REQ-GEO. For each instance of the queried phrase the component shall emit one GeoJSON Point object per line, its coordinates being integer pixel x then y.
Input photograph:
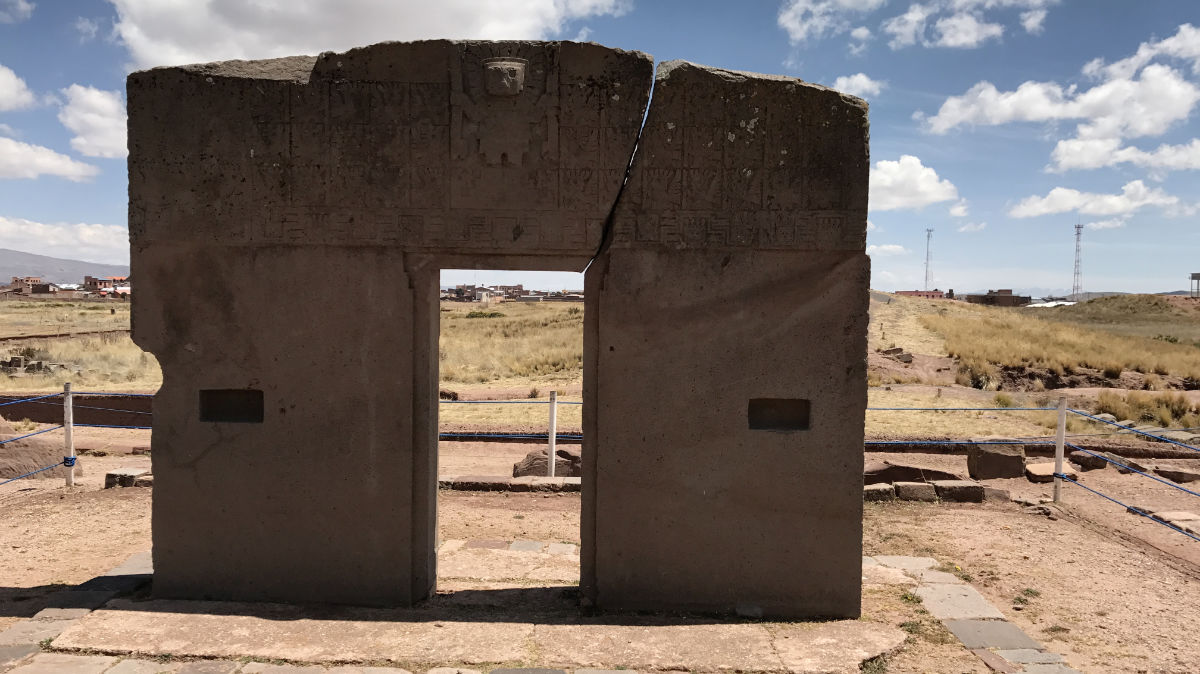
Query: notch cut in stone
{"type": "Point", "coordinates": [778, 414]}
{"type": "Point", "coordinates": [236, 406]}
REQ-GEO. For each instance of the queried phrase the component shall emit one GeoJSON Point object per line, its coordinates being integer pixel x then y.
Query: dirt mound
{"type": "Point", "coordinates": [30, 454]}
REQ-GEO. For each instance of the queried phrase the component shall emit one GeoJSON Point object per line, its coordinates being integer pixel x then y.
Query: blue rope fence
{"type": "Point", "coordinates": [28, 400]}
{"type": "Point", "coordinates": [1135, 431]}
{"type": "Point", "coordinates": [1133, 470]}
{"type": "Point", "coordinates": [30, 435]}
{"type": "Point", "coordinates": [1128, 507]}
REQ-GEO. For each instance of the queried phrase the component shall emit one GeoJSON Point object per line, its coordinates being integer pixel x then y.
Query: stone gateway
{"type": "Point", "coordinates": [289, 219]}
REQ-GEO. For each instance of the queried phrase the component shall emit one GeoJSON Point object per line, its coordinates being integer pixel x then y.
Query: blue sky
{"type": "Point", "coordinates": [998, 123]}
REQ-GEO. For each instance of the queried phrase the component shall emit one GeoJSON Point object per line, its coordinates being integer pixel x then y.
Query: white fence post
{"type": "Point", "coordinates": [1060, 440]}
{"type": "Point", "coordinates": [551, 453]}
{"type": "Point", "coordinates": [68, 438]}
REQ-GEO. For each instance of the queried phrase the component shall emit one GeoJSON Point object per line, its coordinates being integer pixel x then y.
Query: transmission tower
{"type": "Point", "coordinates": [928, 254]}
{"type": "Point", "coordinates": [1077, 285]}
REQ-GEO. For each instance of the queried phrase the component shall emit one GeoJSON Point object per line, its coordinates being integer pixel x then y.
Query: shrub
{"type": "Point", "coordinates": [1003, 400]}
{"type": "Point", "coordinates": [978, 373]}
{"type": "Point", "coordinates": [485, 314]}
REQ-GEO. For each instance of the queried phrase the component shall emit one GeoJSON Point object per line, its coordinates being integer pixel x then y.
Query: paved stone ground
{"type": "Point", "coordinates": [493, 612]}
{"type": "Point", "coordinates": [978, 624]}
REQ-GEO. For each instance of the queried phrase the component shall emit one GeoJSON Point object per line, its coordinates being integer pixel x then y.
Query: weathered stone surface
{"type": "Point", "coordinates": [58, 663]}
{"type": "Point", "coordinates": [12, 654]}
{"type": "Point", "coordinates": [934, 576]}
{"type": "Point", "coordinates": [208, 667]}
{"type": "Point", "coordinates": [61, 613]}
{"type": "Point", "coordinates": [915, 491]}
{"type": "Point", "coordinates": [879, 492]}
{"type": "Point", "coordinates": [452, 670]}
{"type": "Point", "coordinates": [994, 662]}
{"type": "Point", "coordinates": [990, 634]}
{"type": "Point", "coordinates": [562, 549]}
{"type": "Point", "coordinates": [266, 668]}
{"type": "Point", "coordinates": [568, 463]}
{"type": "Point", "coordinates": [1180, 475]}
{"type": "Point", "coordinates": [92, 599]}
{"type": "Point", "coordinates": [906, 563]}
{"type": "Point", "coordinates": [136, 666]}
{"type": "Point", "coordinates": [526, 546]}
{"type": "Point", "coordinates": [956, 602]}
{"type": "Point", "coordinates": [382, 165]}
{"type": "Point", "coordinates": [889, 471]}
{"type": "Point", "coordinates": [961, 491]}
{"type": "Point", "coordinates": [1056, 668]}
{"type": "Point", "coordinates": [839, 646]}
{"type": "Point", "coordinates": [884, 575]}
{"type": "Point", "coordinates": [123, 477]}
{"type": "Point", "coordinates": [33, 631]}
{"type": "Point", "coordinates": [996, 494]}
{"type": "Point", "coordinates": [988, 462]}
{"type": "Point", "coordinates": [1044, 472]}
{"type": "Point", "coordinates": [1029, 656]}
{"type": "Point", "coordinates": [1176, 516]}
{"type": "Point", "coordinates": [1087, 461]}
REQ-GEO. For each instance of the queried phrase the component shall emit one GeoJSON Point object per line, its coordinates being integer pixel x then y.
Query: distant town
{"type": "Point", "coordinates": [503, 293]}
{"type": "Point", "coordinates": [102, 287]}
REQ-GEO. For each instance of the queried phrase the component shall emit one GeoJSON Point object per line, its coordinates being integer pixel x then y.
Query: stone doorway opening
{"type": "Point", "coordinates": [508, 352]}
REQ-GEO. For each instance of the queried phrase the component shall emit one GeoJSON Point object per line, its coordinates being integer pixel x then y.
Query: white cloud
{"type": "Point", "coordinates": [95, 243]}
{"type": "Point", "coordinates": [583, 34]}
{"type": "Point", "coordinates": [14, 94]}
{"type": "Point", "coordinates": [871, 226]}
{"type": "Point", "coordinates": [973, 227]}
{"type": "Point", "coordinates": [1133, 196]}
{"type": "Point", "coordinates": [22, 160]}
{"type": "Point", "coordinates": [859, 85]}
{"type": "Point", "coordinates": [1106, 224]}
{"type": "Point", "coordinates": [965, 31]}
{"type": "Point", "coordinates": [87, 28]}
{"type": "Point", "coordinates": [908, 28]}
{"type": "Point", "coordinates": [1098, 153]}
{"type": "Point", "coordinates": [97, 118]}
{"type": "Point", "coordinates": [907, 184]}
{"type": "Point", "coordinates": [173, 33]}
{"type": "Point", "coordinates": [1183, 45]}
{"type": "Point", "coordinates": [6, 130]}
{"type": "Point", "coordinates": [959, 210]}
{"type": "Point", "coordinates": [886, 250]}
{"type": "Point", "coordinates": [860, 37]}
{"type": "Point", "coordinates": [1131, 108]}
{"type": "Point", "coordinates": [812, 19]}
{"type": "Point", "coordinates": [1033, 21]}
{"type": "Point", "coordinates": [15, 11]}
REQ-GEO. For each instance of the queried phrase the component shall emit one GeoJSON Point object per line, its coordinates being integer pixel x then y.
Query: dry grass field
{"type": "Point", "coordinates": [519, 351]}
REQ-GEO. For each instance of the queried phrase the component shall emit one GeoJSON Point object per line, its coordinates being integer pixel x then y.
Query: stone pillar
{"type": "Point", "coordinates": [726, 355]}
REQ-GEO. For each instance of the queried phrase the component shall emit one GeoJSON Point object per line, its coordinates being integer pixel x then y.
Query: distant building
{"type": "Point", "coordinates": [1195, 285]}
{"type": "Point", "coordinates": [934, 294]}
{"type": "Point", "coordinates": [24, 285]}
{"type": "Point", "coordinates": [104, 284]}
{"type": "Point", "coordinates": [999, 298]}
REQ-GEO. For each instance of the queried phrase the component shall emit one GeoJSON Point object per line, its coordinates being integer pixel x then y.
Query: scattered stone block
{"type": "Point", "coordinates": [1087, 461]}
{"type": "Point", "coordinates": [996, 494]}
{"type": "Point", "coordinates": [138, 451]}
{"type": "Point", "coordinates": [879, 492]}
{"type": "Point", "coordinates": [876, 472]}
{"type": "Point", "coordinates": [1044, 472]}
{"type": "Point", "coordinates": [1179, 475]}
{"type": "Point", "coordinates": [1173, 516]}
{"type": "Point", "coordinates": [1127, 423]}
{"type": "Point", "coordinates": [1126, 464]}
{"type": "Point", "coordinates": [959, 491]}
{"type": "Point", "coordinates": [144, 481]}
{"type": "Point", "coordinates": [990, 634]}
{"type": "Point", "coordinates": [123, 477]}
{"type": "Point", "coordinates": [1106, 417]}
{"type": "Point", "coordinates": [989, 462]}
{"type": "Point", "coordinates": [568, 463]}
{"type": "Point", "coordinates": [915, 491]}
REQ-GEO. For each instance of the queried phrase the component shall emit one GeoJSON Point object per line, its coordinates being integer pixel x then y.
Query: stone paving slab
{"type": "Point", "coordinates": [998, 634]}
{"type": "Point", "coordinates": [839, 646]}
{"type": "Point", "coordinates": [90, 600]}
{"type": "Point", "coordinates": [275, 631]}
{"type": "Point", "coordinates": [1028, 656]}
{"type": "Point", "coordinates": [137, 666]}
{"type": "Point", "coordinates": [385, 670]}
{"type": "Point", "coordinates": [562, 549]}
{"type": "Point", "coordinates": [33, 631]}
{"type": "Point", "coordinates": [12, 654]}
{"type": "Point", "coordinates": [265, 668]}
{"type": "Point", "coordinates": [883, 575]}
{"type": "Point", "coordinates": [452, 670]}
{"type": "Point", "coordinates": [208, 667]}
{"type": "Point", "coordinates": [906, 563]}
{"type": "Point", "coordinates": [526, 546]}
{"type": "Point", "coordinates": [56, 663]}
{"type": "Point", "coordinates": [61, 613]}
{"type": "Point", "coordinates": [935, 576]}
{"type": "Point", "coordinates": [1049, 669]}
{"type": "Point", "coordinates": [745, 646]}
{"type": "Point", "coordinates": [995, 662]}
{"type": "Point", "coordinates": [956, 602]}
